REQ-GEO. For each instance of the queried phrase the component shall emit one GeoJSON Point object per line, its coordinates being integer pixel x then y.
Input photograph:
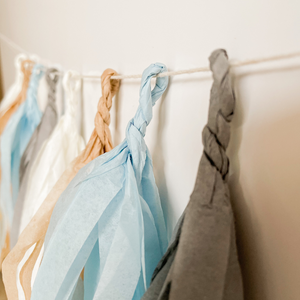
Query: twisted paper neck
{"type": "Point", "coordinates": [216, 134]}
{"type": "Point", "coordinates": [52, 78]}
{"type": "Point", "coordinates": [71, 84]}
{"type": "Point", "coordinates": [102, 118]}
{"type": "Point", "coordinates": [100, 140]}
{"type": "Point", "coordinates": [26, 68]}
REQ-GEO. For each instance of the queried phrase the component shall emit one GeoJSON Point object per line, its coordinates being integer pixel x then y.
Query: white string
{"type": "Point", "coordinates": [16, 47]}
{"type": "Point", "coordinates": [12, 44]}
{"type": "Point", "coordinates": [207, 69]}
{"type": "Point", "coordinates": [188, 71]}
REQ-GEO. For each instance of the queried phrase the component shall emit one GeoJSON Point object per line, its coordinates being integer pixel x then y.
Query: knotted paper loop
{"type": "Point", "coordinates": [71, 84]}
{"type": "Point", "coordinates": [52, 79]}
{"type": "Point", "coordinates": [137, 126]}
{"type": "Point", "coordinates": [101, 141]}
{"type": "Point", "coordinates": [148, 98]}
{"type": "Point", "coordinates": [216, 133]}
{"type": "Point", "coordinates": [27, 65]}
{"type": "Point", "coordinates": [26, 68]}
{"type": "Point", "coordinates": [5, 105]}
{"type": "Point", "coordinates": [37, 73]}
{"type": "Point", "coordinates": [18, 61]}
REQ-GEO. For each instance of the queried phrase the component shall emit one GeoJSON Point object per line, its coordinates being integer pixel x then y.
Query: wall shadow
{"type": "Point", "coordinates": [275, 144]}
{"type": "Point", "coordinates": [159, 164]}
{"type": "Point", "coordinates": [158, 151]}
{"type": "Point", "coordinates": [249, 253]}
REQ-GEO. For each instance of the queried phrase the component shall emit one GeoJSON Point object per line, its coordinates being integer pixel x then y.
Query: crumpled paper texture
{"type": "Point", "coordinates": [16, 127]}
{"type": "Point", "coordinates": [40, 135]}
{"type": "Point", "coordinates": [202, 261]}
{"type": "Point", "coordinates": [109, 220]}
{"type": "Point", "coordinates": [34, 233]}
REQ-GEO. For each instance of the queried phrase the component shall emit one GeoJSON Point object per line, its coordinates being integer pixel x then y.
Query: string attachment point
{"type": "Point", "coordinates": [180, 72]}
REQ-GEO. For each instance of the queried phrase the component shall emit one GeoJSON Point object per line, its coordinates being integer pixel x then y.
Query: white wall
{"type": "Point", "coordinates": [265, 145]}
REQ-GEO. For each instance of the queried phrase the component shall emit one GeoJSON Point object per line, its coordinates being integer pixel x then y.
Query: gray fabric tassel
{"type": "Point", "coordinates": [202, 262]}
{"type": "Point", "coordinates": [41, 133]}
